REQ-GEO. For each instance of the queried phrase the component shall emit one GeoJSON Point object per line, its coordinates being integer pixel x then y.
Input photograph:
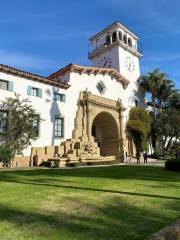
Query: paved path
{"type": "Point", "coordinates": [151, 162]}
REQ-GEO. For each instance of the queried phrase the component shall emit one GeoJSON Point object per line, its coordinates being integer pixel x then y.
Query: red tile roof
{"type": "Point", "coordinates": [35, 77]}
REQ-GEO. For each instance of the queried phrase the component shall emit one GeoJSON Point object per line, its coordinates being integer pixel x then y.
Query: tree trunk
{"type": "Point", "coordinates": [169, 144]}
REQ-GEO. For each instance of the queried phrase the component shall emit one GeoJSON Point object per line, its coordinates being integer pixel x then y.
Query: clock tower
{"type": "Point", "coordinates": [116, 47]}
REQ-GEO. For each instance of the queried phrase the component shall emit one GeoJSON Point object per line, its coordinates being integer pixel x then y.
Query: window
{"type": "Point", "coordinates": [120, 36]}
{"type": "Point", "coordinates": [6, 85]}
{"type": "Point", "coordinates": [114, 37]}
{"type": "Point", "coordinates": [130, 42]}
{"type": "Point", "coordinates": [125, 39]}
{"type": "Point", "coordinates": [101, 87]}
{"type": "Point", "coordinates": [3, 121]}
{"type": "Point", "coordinates": [108, 40]}
{"type": "Point", "coordinates": [59, 97]}
{"type": "Point", "coordinates": [36, 125]}
{"type": "Point", "coordinates": [36, 92]}
{"type": "Point", "coordinates": [59, 127]}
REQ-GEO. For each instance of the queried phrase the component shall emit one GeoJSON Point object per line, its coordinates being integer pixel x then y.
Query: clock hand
{"type": "Point", "coordinates": [105, 63]}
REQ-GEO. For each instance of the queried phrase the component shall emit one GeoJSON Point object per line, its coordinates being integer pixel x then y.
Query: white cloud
{"type": "Point", "coordinates": [26, 61]}
{"type": "Point", "coordinates": [59, 36]}
{"type": "Point", "coordinates": [163, 58]}
{"type": "Point", "coordinates": [153, 13]}
{"type": "Point", "coordinates": [28, 17]}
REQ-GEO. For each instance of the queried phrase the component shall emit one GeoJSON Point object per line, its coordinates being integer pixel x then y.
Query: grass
{"type": "Point", "coordinates": [118, 202]}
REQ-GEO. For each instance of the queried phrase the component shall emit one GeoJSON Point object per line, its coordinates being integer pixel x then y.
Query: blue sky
{"type": "Point", "coordinates": [42, 36]}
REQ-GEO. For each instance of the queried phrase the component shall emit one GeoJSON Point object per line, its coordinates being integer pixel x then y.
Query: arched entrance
{"type": "Point", "coordinates": [105, 132]}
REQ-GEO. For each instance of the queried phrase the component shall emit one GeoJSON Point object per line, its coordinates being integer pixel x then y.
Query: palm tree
{"type": "Point", "coordinates": [165, 92]}
{"type": "Point", "coordinates": [159, 86]}
{"type": "Point", "coordinates": [174, 99]}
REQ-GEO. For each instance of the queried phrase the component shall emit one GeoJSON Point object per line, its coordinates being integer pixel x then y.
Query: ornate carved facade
{"type": "Point", "coordinates": [99, 133]}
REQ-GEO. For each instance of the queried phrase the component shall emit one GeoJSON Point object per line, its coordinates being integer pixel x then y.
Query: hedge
{"type": "Point", "coordinates": [173, 164]}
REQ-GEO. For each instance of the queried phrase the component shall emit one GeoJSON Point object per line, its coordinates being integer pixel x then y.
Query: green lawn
{"type": "Point", "coordinates": [119, 202]}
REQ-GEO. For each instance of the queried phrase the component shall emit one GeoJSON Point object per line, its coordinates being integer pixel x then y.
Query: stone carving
{"type": "Point", "coordinates": [171, 232]}
{"type": "Point", "coordinates": [82, 144]}
{"type": "Point", "coordinates": [88, 147]}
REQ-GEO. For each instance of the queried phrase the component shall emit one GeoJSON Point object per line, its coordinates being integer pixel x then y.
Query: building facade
{"type": "Point", "coordinates": [84, 109]}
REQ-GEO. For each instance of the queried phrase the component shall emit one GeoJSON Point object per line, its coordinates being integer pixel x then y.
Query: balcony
{"type": "Point", "coordinates": [103, 47]}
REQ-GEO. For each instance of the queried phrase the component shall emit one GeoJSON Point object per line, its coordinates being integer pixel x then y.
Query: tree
{"type": "Point", "coordinates": [22, 122]}
{"type": "Point", "coordinates": [159, 86]}
{"type": "Point", "coordinates": [167, 128]}
{"type": "Point", "coordinates": [139, 127]}
{"type": "Point", "coordinates": [174, 100]}
{"type": "Point", "coordinates": [163, 96]}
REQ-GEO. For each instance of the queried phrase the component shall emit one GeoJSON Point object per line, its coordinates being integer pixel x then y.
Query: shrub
{"type": "Point", "coordinates": [173, 164]}
{"type": "Point", "coordinates": [45, 164]}
{"type": "Point", "coordinates": [139, 127]}
{"type": "Point", "coordinates": [5, 154]}
{"type": "Point", "coordinates": [157, 154]}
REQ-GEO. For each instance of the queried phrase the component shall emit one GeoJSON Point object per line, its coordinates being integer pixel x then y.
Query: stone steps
{"type": "Point", "coordinates": [76, 161]}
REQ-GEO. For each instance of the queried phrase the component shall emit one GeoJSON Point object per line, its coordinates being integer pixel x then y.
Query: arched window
{"type": "Point", "coordinates": [120, 35]}
{"type": "Point", "coordinates": [108, 40]}
{"type": "Point", "coordinates": [136, 102]}
{"type": "Point", "coordinates": [130, 42]}
{"type": "Point", "coordinates": [114, 37]}
{"type": "Point", "coordinates": [125, 39]}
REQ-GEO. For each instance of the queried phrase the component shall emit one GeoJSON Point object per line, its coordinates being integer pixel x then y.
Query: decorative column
{"type": "Point", "coordinates": [89, 117]}
{"type": "Point", "coordinates": [121, 128]}
{"type": "Point", "coordinates": [88, 120]}
{"type": "Point", "coordinates": [117, 35]}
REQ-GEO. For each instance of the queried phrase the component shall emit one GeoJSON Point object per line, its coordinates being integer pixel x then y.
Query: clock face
{"type": "Point", "coordinates": [129, 63]}
{"type": "Point", "coordinates": [105, 62]}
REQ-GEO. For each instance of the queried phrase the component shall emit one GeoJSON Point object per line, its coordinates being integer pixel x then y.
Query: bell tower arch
{"type": "Point", "coordinates": [116, 47]}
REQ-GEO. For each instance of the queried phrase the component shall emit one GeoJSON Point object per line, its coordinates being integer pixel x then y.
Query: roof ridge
{"type": "Point", "coordinates": [112, 71]}
{"type": "Point", "coordinates": [30, 75]}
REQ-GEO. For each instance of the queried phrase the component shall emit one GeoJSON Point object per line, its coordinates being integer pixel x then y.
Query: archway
{"type": "Point", "coordinates": [105, 133]}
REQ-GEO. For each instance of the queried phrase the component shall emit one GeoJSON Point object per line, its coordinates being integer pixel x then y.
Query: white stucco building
{"type": "Point", "coordinates": [111, 77]}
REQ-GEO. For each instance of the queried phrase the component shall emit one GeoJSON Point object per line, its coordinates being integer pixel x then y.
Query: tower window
{"type": "Point", "coordinates": [125, 39]}
{"type": "Point", "coordinates": [130, 42]}
{"type": "Point", "coordinates": [114, 37]}
{"type": "Point", "coordinates": [120, 35]}
{"type": "Point", "coordinates": [108, 40]}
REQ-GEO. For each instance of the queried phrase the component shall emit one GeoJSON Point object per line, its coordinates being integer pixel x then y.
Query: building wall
{"type": "Point", "coordinates": [48, 108]}
{"type": "Point", "coordinates": [114, 91]}
{"type": "Point", "coordinates": [45, 106]}
{"type": "Point", "coordinates": [113, 58]}
{"type": "Point", "coordinates": [122, 59]}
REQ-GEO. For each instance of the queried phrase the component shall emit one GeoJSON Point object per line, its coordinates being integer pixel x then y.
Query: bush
{"type": "Point", "coordinates": [5, 154]}
{"type": "Point", "coordinates": [45, 164]}
{"type": "Point", "coordinates": [157, 154]}
{"type": "Point", "coordinates": [173, 164]}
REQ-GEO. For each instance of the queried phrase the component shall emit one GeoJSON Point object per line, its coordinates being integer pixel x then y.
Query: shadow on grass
{"type": "Point", "coordinates": [78, 188]}
{"type": "Point", "coordinates": [112, 172]}
{"type": "Point", "coordinates": [116, 220]}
